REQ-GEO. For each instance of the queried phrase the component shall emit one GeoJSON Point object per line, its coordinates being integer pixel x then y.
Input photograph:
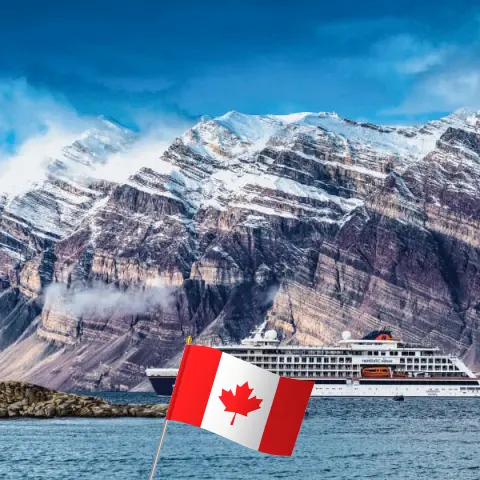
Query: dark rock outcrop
{"type": "Point", "coordinates": [19, 399]}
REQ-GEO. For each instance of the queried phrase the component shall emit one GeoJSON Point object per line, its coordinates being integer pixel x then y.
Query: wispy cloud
{"type": "Point", "coordinates": [34, 127]}
{"type": "Point", "coordinates": [429, 71]}
{"type": "Point", "coordinates": [409, 54]}
{"type": "Point", "coordinates": [37, 126]}
{"type": "Point", "coordinates": [27, 112]}
{"type": "Point", "coordinates": [146, 151]}
{"type": "Point", "coordinates": [104, 301]}
{"type": "Point", "coordinates": [28, 165]}
{"type": "Point", "coordinates": [372, 59]}
{"type": "Point", "coordinates": [443, 76]}
{"type": "Point", "coordinates": [442, 92]}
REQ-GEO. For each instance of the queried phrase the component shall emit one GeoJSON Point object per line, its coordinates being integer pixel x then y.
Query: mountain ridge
{"type": "Point", "coordinates": [311, 222]}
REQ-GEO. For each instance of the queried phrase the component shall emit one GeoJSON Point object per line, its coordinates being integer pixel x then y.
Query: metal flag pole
{"type": "Point", "coordinates": [157, 456]}
{"type": "Point", "coordinates": [188, 341]}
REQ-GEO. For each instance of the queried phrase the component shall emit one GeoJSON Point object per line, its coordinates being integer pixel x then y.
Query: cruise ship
{"type": "Point", "coordinates": [378, 365]}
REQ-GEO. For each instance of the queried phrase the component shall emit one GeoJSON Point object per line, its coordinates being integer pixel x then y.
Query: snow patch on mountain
{"type": "Point", "coordinates": [56, 180]}
{"type": "Point", "coordinates": [53, 181]}
{"type": "Point", "coordinates": [71, 155]}
{"type": "Point", "coordinates": [235, 133]}
{"type": "Point", "coordinates": [257, 130]}
{"type": "Point", "coordinates": [254, 129]}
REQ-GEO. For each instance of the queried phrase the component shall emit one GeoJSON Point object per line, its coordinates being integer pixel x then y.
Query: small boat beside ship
{"type": "Point", "coordinates": [377, 365]}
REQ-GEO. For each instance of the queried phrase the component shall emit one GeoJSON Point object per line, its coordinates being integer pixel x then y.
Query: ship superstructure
{"type": "Point", "coordinates": [376, 365]}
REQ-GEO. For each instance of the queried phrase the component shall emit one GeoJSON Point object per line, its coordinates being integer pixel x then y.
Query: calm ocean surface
{"type": "Point", "coordinates": [340, 439]}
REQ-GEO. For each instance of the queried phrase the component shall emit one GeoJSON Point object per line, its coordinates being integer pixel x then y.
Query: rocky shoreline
{"type": "Point", "coordinates": [18, 399]}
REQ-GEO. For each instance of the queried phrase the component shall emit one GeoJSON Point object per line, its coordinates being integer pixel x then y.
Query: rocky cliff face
{"type": "Point", "coordinates": [313, 222]}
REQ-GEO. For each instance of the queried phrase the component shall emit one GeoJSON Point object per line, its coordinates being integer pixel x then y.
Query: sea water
{"type": "Point", "coordinates": [340, 439]}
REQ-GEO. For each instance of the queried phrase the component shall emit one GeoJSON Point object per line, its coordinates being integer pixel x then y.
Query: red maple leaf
{"type": "Point", "coordinates": [240, 403]}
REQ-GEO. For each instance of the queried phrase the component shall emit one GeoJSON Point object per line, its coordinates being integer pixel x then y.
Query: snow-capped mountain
{"type": "Point", "coordinates": [46, 199]}
{"type": "Point", "coordinates": [313, 222]}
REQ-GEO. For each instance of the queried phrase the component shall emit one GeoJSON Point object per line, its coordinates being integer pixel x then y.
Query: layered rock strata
{"type": "Point", "coordinates": [312, 222]}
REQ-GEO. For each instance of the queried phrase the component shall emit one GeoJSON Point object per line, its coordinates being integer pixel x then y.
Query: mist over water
{"type": "Point", "coordinates": [340, 439]}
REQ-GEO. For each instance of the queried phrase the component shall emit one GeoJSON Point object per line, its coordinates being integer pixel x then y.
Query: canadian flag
{"type": "Point", "coordinates": [238, 400]}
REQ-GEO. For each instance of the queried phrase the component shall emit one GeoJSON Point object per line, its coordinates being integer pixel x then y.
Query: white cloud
{"type": "Point", "coordinates": [390, 45]}
{"type": "Point", "coordinates": [43, 126]}
{"type": "Point", "coordinates": [412, 55]}
{"type": "Point", "coordinates": [455, 88]}
{"type": "Point", "coordinates": [103, 301]}
{"type": "Point", "coordinates": [29, 164]}
{"type": "Point", "coordinates": [26, 112]}
{"type": "Point", "coordinates": [145, 152]}
{"type": "Point", "coordinates": [407, 54]}
{"type": "Point", "coordinates": [441, 92]}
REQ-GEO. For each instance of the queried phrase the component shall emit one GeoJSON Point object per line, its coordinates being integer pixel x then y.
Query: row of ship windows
{"type": "Point", "coordinates": [346, 371]}
{"type": "Point", "coordinates": [424, 360]}
{"type": "Point", "coordinates": [314, 375]}
{"type": "Point", "coordinates": [332, 359]}
{"type": "Point", "coordinates": [342, 375]}
{"type": "Point", "coordinates": [414, 382]}
{"type": "Point", "coordinates": [394, 353]}
{"type": "Point", "coordinates": [347, 368]}
{"type": "Point", "coordinates": [442, 389]}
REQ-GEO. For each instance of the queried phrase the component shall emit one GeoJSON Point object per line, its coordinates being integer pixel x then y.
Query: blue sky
{"type": "Point", "coordinates": [383, 61]}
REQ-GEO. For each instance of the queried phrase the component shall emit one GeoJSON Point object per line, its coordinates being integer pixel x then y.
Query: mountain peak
{"type": "Point", "coordinates": [463, 112]}
{"type": "Point", "coordinates": [248, 128]}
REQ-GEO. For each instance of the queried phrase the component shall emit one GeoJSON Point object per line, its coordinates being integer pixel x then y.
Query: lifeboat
{"type": "Point", "coordinates": [376, 372]}
{"type": "Point", "coordinates": [379, 335]}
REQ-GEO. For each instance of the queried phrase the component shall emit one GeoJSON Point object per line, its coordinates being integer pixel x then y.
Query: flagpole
{"type": "Point", "coordinates": [188, 341]}
{"type": "Point", "coordinates": [157, 456]}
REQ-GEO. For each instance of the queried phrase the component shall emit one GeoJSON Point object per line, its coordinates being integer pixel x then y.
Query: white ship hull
{"type": "Point", "coordinates": [163, 381]}
{"type": "Point", "coordinates": [395, 390]}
